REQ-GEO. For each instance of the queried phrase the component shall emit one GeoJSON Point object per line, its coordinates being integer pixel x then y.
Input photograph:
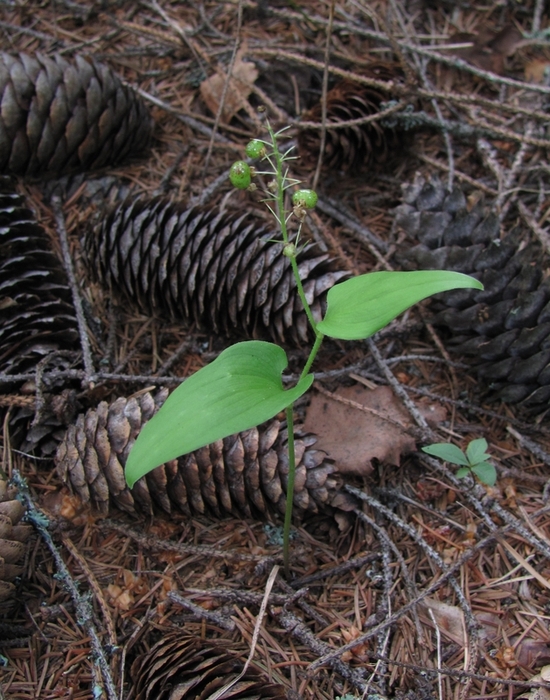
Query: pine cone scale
{"type": "Point", "coordinates": [57, 115]}
{"type": "Point", "coordinates": [243, 474]}
{"type": "Point", "coordinates": [510, 319]}
{"type": "Point", "coordinates": [220, 273]}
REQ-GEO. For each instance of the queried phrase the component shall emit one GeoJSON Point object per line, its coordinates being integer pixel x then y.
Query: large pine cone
{"type": "Point", "coordinates": [58, 115]}
{"type": "Point", "coordinates": [13, 540]}
{"type": "Point", "coordinates": [506, 327]}
{"type": "Point", "coordinates": [37, 321]}
{"type": "Point", "coordinates": [351, 148]}
{"type": "Point", "coordinates": [189, 668]}
{"type": "Point", "coordinates": [37, 312]}
{"type": "Point", "coordinates": [218, 270]}
{"type": "Point", "coordinates": [244, 474]}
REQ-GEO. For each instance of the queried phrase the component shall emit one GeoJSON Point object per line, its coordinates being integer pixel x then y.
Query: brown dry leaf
{"type": "Point", "coordinates": [121, 599]}
{"type": "Point", "coordinates": [448, 618]}
{"type": "Point", "coordinates": [531, 652]}
{"type": "Point", "coordinates": [537, 71]}
{"type": "Point", "coordinates": [488, 49]}
{"type": "Point", "coordinates": [243, 76]}
{"type": "Point", "coordinates": [539, 693]}
{"type": "Point", "coordinates": [354, 437]}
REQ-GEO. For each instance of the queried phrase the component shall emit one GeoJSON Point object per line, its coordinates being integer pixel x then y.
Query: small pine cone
{"type": "Point", "coordinates": [352, 148]}
{"type": "Point", "coordinates": [37, 312]}
{"type": "Point", "coordinates": [189, 668]}
{"type": "Point", "coordinates": [218, 270]}
{"type": "Point", "coordinates": [13, 540]}
{"type": "Point", "coordinates": [244, 474]}
{"type": "Point", "coordinates": [505, 327]}
{"type": "Point", "coordinates": [61, 116]}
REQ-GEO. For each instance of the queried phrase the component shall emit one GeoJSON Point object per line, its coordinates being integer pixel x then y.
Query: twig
{"type": "Point", "coordinates": [541, 233]}
{"type": "Point", "coordinates": [225, 86]}
{"type": "Point", "coordinates": [160, 545]}
{"type": "Point", "coordinates": [471, 622]}
{"type": "Point", "coordinates": [323, 139]}
{"type": "Point", "coordinates": [255, 636]}
{"type": "Point", "coordinates": [537, 16]}
{"type": "Point", "coordinates": [345, 217]}
{"type": "Point", "coordinates": [84, 612]}
{"type": "Point", "coordinates": [438, 639]}
{"type": "Point", "coordinates": [335, 570]}
{"type": "Point", "coordinates": [303, 634]}
{"type": "Point", "coordinates": [400, 392]}
{"type": "Point", "coordinates": [447, 575]}
{"type": "Point", "coordinates": [77, 301]}
{"type": "Point", "coordinates": [96, 588]}
{"type": "Point", "coordinates": [531, 445]}
{"type": "Point", "coordinates": [211, 616]}
{"type": "Point", "coordinates": [186, 119]}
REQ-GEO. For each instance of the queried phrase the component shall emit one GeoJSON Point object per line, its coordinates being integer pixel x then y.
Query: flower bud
{"type": "Point", "coordinates": [255, 149]}
{"type": "Point", "coordinates": [305, 199]}
{"type": "Point", "coordinates": [240, 175]}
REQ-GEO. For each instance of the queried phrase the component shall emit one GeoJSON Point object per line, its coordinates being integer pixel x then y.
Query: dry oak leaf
{"type": "Point", "coordinates": [361, 424]}
{"type": "Point", "coordinates": [243, 77]}
{"type": "Point", "coordinates": [539, 693]}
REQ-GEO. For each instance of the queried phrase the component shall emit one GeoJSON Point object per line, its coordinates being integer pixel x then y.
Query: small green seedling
{"type": "Point", "coordinates": [473, 461]}
{"type": "Point", "coordinates": [243, 386]}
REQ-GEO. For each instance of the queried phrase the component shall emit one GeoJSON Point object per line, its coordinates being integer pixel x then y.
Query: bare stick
{"type": "Point", "coordinates": [209, 615]}
{"type": "Point", "coordinates": [225, 86]}
{"type": "Point", "coordinates": [324, 98]}
{"type": "Point", "coordinates": [84, 611]}
{"type": "Point", "coordinates": [77, 301]}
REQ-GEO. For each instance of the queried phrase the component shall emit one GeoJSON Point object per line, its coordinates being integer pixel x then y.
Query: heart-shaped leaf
{"type": "Point", "coordinates": [448, 452]}
{"type": "Point", "coordinates": [361, 306]}
{"type": "Point", "coordinates": [239, 390]}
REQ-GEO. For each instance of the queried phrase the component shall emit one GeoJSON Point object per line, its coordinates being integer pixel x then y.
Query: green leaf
{"type": "Point", "coordinates": [447, 452]}
{"type": "Point", "coordinates": [463, 472]}
{"type": "Point", "coordinates": [361, 306]}
{"type": "Point", "coordinates": [486, 473]}
{"type": "Point", "coordinates": [476, 451]}
{"type": "Point", "coordinates": [239, 390]}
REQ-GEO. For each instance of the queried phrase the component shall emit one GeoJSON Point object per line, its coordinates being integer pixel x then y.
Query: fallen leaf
{"type": "Point", "coordinates": [488, 49]}
{"type": "Point", "coordinates": [531, 652]}
{"type": "Point", "coordinates": [448, 618]}
{"type": "Point", "coordinates": [121, 599]}
{"type": "Point", "coordinates": [539, 693]}
{"type": "Point", "coordinates": [538, 71]}
{"type": "Point", "coordinates": [243, 76]}
{"type": "Point", "coordinates": [354, 437]}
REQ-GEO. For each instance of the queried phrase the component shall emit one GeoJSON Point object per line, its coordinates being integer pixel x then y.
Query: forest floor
{"type": "Point", "coordinates": [444, 585]}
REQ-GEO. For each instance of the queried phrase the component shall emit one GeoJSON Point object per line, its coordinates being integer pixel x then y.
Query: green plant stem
{"type": "Point", "coordinates": [302, 295]}
{"type": "Point", "coordinates": [289, 488]}
{"type": "Point", "coordinates": [282, 219]}
{"type": "Point", "coordinates": [313, 354]}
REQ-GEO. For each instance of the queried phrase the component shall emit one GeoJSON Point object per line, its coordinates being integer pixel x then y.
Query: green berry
{"type": "Point", "coordinates": [255, 149]}
{"type": "Point", "coordinates": [240, 175]}
{"type": "Point", "coordinates": [290, 250]}
{"type": "Point", "coordinates": [305, 198]}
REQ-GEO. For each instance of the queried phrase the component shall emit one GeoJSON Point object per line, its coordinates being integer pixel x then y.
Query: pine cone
{"type": "Point", "coordinates": [189, 668]}
{"type": "Point", "coordinates": [506, 327]}
{"type": "Point", "coordinates": [243, 474]}
{"type": "Point", "coordinates": [352, 148]}
{"type": "Point", "coordinates": [37, 311]}
{"type": "Point", "coordinates": [38, 320]}
{"type": "Point", "coordinates": [13, 540]}
{"type": "Point", "coordinates": [59, 116]}
{"type": "Point", "coordinates": [218, 270]}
